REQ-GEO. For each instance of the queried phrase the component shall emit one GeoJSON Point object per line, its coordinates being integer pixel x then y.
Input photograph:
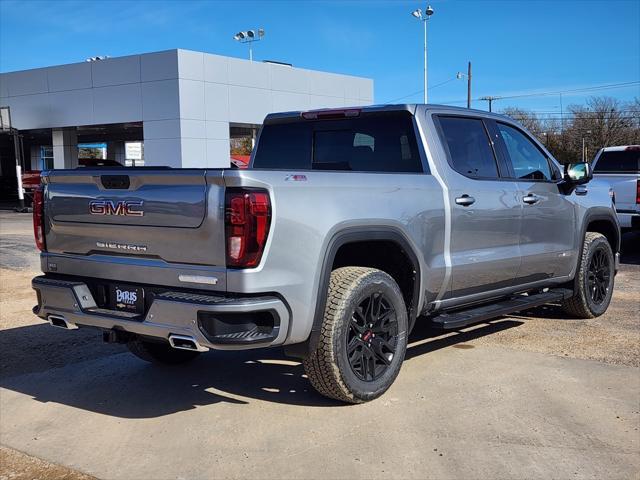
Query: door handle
{"type": "Point", "coordinates": [465, 200]}
{"type": "Point", "coordinates": [530, 199]}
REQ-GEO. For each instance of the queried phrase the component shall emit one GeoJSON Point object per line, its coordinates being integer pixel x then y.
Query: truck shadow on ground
{"type": "Point", "coordinates": [112, 382]}
{"type": "Point", "coordinates": [630, 248]}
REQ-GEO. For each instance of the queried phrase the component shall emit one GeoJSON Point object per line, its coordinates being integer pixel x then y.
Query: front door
{"type": "Point", "coordinates": [485, 208]}
{"type": "Point", "coordinates": [547, 239]}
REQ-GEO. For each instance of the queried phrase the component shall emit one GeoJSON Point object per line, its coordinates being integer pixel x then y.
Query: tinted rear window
{"type": "Point", "coordinates": [470, 152]}
{"type": "Point", "coordinates": [381, 142]}
{"type": "Point", "coordinates": [285, 145]}
{"type": "Point", "coordinates": [621, 161]}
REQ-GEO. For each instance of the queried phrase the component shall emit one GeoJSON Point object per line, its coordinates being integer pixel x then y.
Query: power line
{"type": "Point", "coordinates": [420, 91]}
{"type": "Point", "coordinates": [575, 90]}
{"type": "Point", "coordinates": [630, 113]}
{"type": "Point", "coordinates": [557, 92]}
{"type": "Point", "coordinates": [591, 117]}
{"type": "Point", "coordinates": [556, 112]}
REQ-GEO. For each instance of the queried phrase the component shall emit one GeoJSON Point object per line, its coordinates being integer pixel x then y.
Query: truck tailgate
{"type": "Point", "coordinates": [625, 185]}
{"type": "Point", "coordinates": [175, 216]}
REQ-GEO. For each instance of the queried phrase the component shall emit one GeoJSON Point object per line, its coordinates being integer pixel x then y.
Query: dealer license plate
{"type": "Point", "coordinates": [127, 299]}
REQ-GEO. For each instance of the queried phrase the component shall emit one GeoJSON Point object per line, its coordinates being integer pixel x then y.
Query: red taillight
{"type": "Point", "coordinates": [247, 221]}
{"type": "Point", "coordinates": [637, 192]}
{"type": "Point", "coordinates": [38, 217]}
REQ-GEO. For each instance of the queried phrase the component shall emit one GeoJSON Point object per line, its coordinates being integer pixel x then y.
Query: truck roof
{"type": "Point", "coordinates": [410, 107]}
{"type": "Point", "coordinates": [619, 148]}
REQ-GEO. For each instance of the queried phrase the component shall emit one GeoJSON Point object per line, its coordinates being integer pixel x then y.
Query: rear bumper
{"type": "Point", "coordinates": [213, 321]}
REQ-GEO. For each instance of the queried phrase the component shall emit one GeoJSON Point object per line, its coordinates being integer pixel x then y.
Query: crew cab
{"type": "Point", "coordinates": [349, 227]}
{"type": "Point", "coordinates": [620, 168]}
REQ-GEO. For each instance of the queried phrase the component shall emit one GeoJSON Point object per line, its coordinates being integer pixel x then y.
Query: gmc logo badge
{"type": "Point", "coordinates": [124, 208]}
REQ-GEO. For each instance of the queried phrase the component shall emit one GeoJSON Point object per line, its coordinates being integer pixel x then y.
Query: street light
{"type": "Point", "coordinates": [461, 75]}
{"type": "Point", "coordinates": [424, 18]}
{"type": "Point", "coordinates": [249, 37]}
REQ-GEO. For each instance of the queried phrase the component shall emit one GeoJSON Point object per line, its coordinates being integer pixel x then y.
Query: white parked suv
{"type": "Point", "coordinates": [620, 166]}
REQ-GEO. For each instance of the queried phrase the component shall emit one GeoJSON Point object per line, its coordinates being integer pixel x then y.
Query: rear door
{"type": "Point", "coordinates": [486, 212]}
{"type": "Point", "coordinates": [166, 215]}
{"type": "Point", "coordinates": [547, 239]}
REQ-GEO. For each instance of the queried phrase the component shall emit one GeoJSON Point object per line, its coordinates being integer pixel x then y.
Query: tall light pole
{"type": "Point", "coordinates": [249, 37]}
{"type": "Point", "coordinates": [424, 18]}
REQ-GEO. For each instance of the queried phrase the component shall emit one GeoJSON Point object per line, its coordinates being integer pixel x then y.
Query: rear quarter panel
{"type": "Point", "coordinates": [307, 214]}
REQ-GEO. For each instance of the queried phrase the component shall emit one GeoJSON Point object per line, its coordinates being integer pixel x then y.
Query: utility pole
{"type": "Point", "coordinates": [561, 116]}
{"type": "Point", "coordinates": [469, 86]}
{"type": "Point", "coordinates": [490, 100]}
{"type": "Point", "coordinates": [584, 147]}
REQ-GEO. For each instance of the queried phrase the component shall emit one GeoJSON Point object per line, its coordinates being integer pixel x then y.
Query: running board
{"type": "Point", "coordinates": [517, 303]}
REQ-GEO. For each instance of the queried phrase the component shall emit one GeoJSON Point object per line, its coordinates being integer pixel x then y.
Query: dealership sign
{"type": "Point", "coordinates": [133, 150]}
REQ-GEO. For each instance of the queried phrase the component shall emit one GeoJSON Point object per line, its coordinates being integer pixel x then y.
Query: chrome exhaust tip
{"type": "Point", "coordinates": [184, 342]}
{"type": "Point", "coordinates": [59, 321]}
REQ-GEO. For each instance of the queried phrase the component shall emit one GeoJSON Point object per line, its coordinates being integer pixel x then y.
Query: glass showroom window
{"type": "Point", "coordinates": [46, 157]}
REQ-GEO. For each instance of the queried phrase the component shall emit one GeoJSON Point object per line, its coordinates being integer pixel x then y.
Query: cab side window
{"type": "Point", "coordinates": [470, 152]}
{"type": "Point", "coordinates": [528, 162]}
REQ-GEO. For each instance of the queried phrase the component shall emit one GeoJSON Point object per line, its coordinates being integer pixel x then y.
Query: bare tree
{"type": "Point", "coordinates": [603, 121]}
{"type": "Point", "coordinates": [600, 122]}
{"type": "Point", "coordinates": [527, 119]}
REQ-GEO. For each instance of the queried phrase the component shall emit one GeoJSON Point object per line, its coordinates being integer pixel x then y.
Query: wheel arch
{"type": "Point", "coordinates": [600, 221]}
{"type": "Point", "coordinates": [359, 235]}
{"type": "Point", "coordinates": [604, 222]}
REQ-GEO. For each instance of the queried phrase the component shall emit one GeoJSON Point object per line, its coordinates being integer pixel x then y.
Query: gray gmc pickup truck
{"type": "Point", "coordinates": [349, 227]}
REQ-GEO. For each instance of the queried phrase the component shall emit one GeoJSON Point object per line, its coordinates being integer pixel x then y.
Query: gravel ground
{"type": "Point", "coordinates": [613, 338]}
{"type": "Point", "coordinates": [18, 466]}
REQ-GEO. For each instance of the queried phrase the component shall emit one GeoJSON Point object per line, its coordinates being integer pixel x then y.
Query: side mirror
{"type": "Point", "coordinates": [578, 173]}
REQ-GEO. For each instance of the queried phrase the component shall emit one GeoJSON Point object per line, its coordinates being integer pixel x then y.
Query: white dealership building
{"type": "Point", "coordinates": [175, 108]}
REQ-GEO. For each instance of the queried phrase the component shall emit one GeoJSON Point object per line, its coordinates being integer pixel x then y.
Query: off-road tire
{"type": "Point", "coordinates": [160, 353]}
{"type": "Point", "coordinates": [328, 367]}
{"type": "Point", "coordinates": [581, 305]}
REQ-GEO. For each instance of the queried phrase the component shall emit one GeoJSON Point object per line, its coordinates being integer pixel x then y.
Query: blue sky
{"type": "Point", "coordinates": [515, 46]}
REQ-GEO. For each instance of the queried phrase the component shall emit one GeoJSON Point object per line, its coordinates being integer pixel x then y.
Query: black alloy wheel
{"type": "Point", "coordinates": [363, 337]}
{"type": "Point", "coordinates": [372, 337]}
{"type": "Point", "coordinates": [598, 276]}
{"type": "Point", "coordinates": [594, 279]}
